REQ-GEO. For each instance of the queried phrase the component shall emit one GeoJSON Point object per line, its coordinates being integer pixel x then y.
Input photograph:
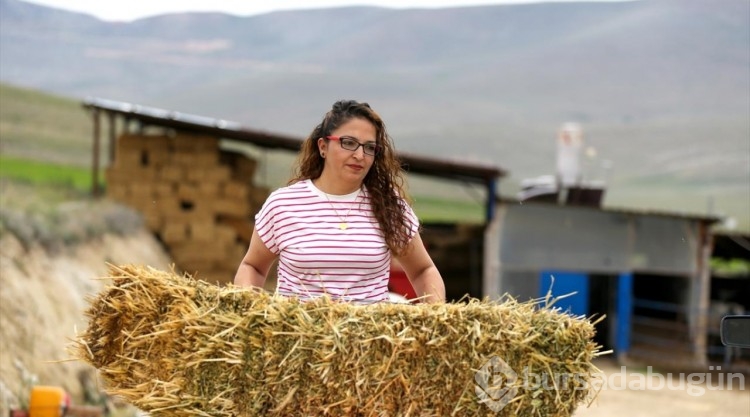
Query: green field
{"type": "Point", "coordinates": [44, 174]}
{"type": "Point", "coordinates": [431, 209]}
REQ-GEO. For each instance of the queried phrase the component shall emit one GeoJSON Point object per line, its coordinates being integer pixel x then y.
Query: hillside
{"type": "Point", "coordinates": [42, 302]}
{"type": "Point", "coordinates": [51, 252]}
{"type": "Point", "coordinates": [44, 127]}
{"type": "Point", "coordinates": [661, 87]}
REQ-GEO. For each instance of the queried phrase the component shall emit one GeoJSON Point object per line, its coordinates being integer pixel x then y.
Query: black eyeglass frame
{"type": "Point", "coordinates": [347, 141]}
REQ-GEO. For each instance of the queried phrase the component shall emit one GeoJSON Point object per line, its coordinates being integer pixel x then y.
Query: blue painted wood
{"type": "Point", "coordinates": [624, 312]}
{"type": "Point", "coordinates": [561, 283]}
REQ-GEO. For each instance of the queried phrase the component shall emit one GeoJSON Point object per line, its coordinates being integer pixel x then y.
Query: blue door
{"type": "Point", "coordinates": [566, 283]}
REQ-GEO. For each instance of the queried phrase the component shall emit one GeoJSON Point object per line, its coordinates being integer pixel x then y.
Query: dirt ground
{"type": "Point", "coordinates": [633, 393]}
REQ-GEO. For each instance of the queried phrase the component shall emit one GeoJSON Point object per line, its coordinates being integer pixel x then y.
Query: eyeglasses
{"type": "Point", "coordinates": [351, 144]}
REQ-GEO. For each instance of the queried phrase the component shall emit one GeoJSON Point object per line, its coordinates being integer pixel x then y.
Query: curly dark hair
{"type": "Point", "coordinates": [385, 180]}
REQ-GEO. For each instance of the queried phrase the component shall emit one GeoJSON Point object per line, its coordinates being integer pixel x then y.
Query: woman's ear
{"type": "Point", "coordinates": [322, 147]}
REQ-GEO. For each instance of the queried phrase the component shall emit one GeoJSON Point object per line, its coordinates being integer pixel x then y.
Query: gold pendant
{"type": "Point", "coordinates": [342, 226]}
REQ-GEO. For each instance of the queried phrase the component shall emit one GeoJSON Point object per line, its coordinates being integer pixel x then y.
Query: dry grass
{"type": "Point", "coordinates": [58, 218]}
{"type": "Point", "coordinates": [175, 346]}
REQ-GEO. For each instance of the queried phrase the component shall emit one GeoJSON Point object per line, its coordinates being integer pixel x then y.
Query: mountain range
{"type": "Point", "coordinates": [661, 88]}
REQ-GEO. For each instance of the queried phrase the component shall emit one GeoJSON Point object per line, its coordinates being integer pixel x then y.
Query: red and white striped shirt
{"type": "Point", "coordinates": [302, 225]}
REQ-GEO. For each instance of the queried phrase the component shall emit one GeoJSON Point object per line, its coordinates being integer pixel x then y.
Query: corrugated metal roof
{"type": "Point", "coordinates": [622, 210]}
{"type": "Point", "coordinates": [444, 168]}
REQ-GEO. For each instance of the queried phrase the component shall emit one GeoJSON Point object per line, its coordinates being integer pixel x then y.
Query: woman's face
{"type": "Point", "coordinates": [349, 166]}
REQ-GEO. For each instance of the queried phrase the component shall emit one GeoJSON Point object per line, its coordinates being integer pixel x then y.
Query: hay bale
{"type": "Point", "coordinates": [175, 346]}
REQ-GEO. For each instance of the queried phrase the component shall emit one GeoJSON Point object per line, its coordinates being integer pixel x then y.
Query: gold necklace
{"type": "Point", "coordinates": [344, 224]}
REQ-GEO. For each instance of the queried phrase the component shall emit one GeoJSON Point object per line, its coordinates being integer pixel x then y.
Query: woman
{"type": "Point", "coordinates": [342, 217]}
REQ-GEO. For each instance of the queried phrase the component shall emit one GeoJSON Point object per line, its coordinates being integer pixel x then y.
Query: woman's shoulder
{"type": "Point", "coordinates": [291, 190]}
{"type": "Point", "coordinates": [284, 197]}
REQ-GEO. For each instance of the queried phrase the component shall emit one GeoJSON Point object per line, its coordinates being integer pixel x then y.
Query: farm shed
{"type": "Point", "coordinates": [199, 198]}
{"type": "Point", "coordinates": [649, 272]}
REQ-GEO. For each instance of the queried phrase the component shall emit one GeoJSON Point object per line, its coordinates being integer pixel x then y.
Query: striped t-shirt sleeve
{"type": "Point", "coordinates": [265, 222]}
{"type": "Point", "coordinates": [411, 217]}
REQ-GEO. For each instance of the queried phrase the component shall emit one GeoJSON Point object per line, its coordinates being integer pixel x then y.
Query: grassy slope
{"type": "Point", "coordinates": [47, 140]}
{"type": "Point", "coordinates": [43, 127]}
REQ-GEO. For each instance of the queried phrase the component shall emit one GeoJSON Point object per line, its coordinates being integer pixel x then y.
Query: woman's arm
{"type": "Point", "coordinates": [422, 273]}
{"type": "Point", "coordinates": [254, 267]}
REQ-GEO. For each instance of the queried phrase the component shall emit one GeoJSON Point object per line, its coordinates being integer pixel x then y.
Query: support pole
{"type": "Point", "coordinates": [701, 295]}
{"type": "Point", "coordinates": [491, 197]}
{"type": "Point", "coordinates": [112, 134]}
{"type": "Point", "coordinates": [624, 315]}
{"type": "Point", "coordinates": [95, 190]}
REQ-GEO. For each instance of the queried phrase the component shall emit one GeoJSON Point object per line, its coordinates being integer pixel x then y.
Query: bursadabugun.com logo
{"type": "Point", "coordinates": [496, 383]}
{"type": "Point", "coordinates": [694, 384]}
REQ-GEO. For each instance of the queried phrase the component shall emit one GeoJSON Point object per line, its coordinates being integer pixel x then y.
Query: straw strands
{"type": "Point", "coordinates": [175, 346]}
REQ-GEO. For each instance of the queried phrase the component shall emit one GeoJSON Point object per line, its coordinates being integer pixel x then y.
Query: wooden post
{"type": "Point", "coordinates": [492, 276]}
{"type": "Point", "coordinates": [489, 210]}
{"type": "Point", "coordinates": [112, 133]}
{"type": "Point", "coordinates": [701, 294]}
{"type": "Point", "coordinates": [95, 190]}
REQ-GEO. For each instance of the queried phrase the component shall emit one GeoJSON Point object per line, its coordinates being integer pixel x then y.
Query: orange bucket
{"type": "Point", "coordinates": [48, 401]}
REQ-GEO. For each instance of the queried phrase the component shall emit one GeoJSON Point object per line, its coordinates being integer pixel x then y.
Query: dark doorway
{"type": "Point", "coordinates": [661, 297]}
{"type": "Point", "coordinates": [457, 250]}
{"type": "Point", "coordinates": [602, 302]}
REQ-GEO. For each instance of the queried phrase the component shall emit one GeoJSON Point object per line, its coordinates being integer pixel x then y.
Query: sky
{"type": "Point", "coordinates": [136, 9]}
